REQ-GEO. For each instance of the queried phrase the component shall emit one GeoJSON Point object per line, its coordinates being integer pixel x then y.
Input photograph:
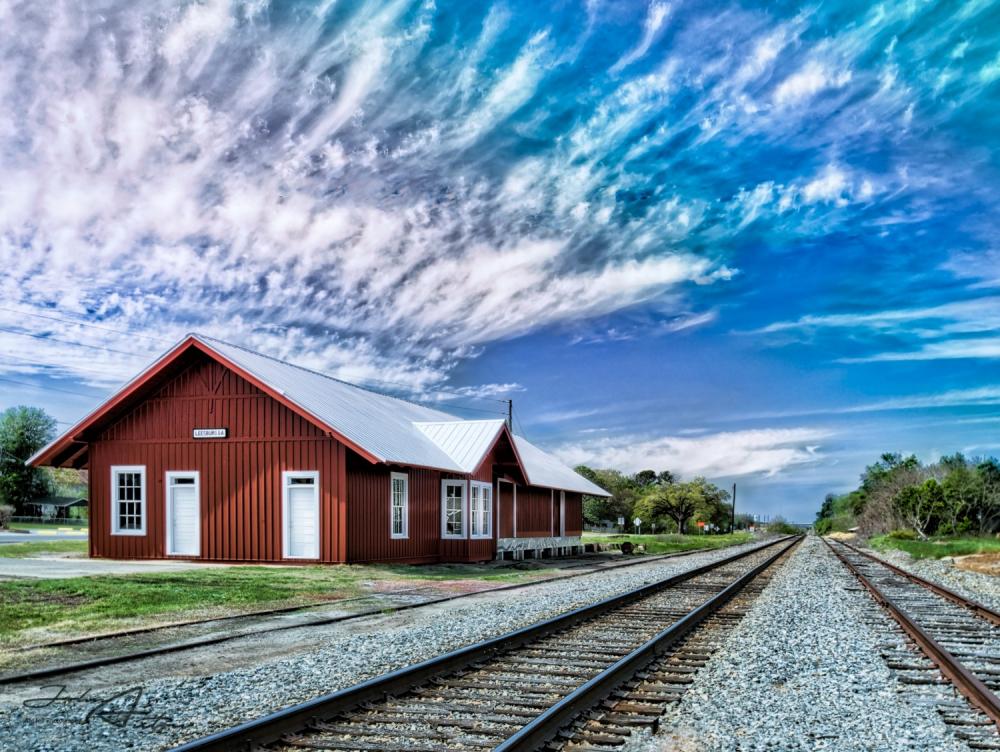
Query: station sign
{"type": "Point", "coordinates": [210, 433]}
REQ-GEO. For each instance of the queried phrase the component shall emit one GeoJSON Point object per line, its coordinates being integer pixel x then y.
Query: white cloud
{"type": "Point", "coordinates": [988, 347]}
{"type": "Point", "coordinates": [208, 168]}
{"type": "Point", "coordinates": [651, 27]}
{"type": "Point", "coordinates": [811, 79]}
{"type": "Point", "coordinates": [830, 186]}
{"type": "Point", "coordinates": [960, 317]}
{"type": "Point", "coordinates": [941, 332]}
{"type": "Point", "coordinates": [734, 453]}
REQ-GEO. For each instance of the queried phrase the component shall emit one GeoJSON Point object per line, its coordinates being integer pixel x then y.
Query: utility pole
{"type": "Point", "coordinates": [732, 524]}
{"type": "Point", "coordinates": [510, 415]}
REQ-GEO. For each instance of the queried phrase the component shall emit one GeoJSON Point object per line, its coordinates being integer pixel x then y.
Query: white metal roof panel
{"type": "Point", "coordinates": [380, 424]}
{"type": "Point", "coordinates": [465, 441]}
{"type": "Point", "coordinates": [545, 470]}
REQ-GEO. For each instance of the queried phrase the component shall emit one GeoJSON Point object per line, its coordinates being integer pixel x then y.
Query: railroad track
{"type": "Point", "coordinates": [959, 639]}
{"type": "Point", "coordinates": [581, 681]}
{"type": "Point", "coordinates": [104, 652]}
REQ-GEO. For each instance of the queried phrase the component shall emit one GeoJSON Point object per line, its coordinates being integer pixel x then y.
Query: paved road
{"type": "Point", "coordinates": [55, 568]}
{"type": "Point", "coordinates": [48, 535]}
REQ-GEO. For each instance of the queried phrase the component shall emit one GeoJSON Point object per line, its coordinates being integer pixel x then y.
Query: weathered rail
{"type": "Point", "coordinates": [959, 636]}
{"type": "Point", "coordinates": [516, 691]}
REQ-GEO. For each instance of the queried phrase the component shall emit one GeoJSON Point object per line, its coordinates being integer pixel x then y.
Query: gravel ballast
{"type": "Point", "coordinates": [170, 710]}
{"type": "Point", "coordinates": [803, 671]}
{"type": "Point", "coordinates": [980, 587]}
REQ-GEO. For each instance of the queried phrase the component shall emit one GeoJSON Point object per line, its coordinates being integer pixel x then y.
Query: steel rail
{"type": "Point", "coordinates": [273, 726]}
{"type": "Point", "coordinates": [984, 612]}
{"type": "Point", "coordinates": [977, 693]}
{"type": "Point", "coordinates": [547, 726]}
{"type": "Point", "coordinates": [110, 660]}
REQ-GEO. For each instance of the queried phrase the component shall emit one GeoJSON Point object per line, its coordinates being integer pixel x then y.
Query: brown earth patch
{"type": "Point", "coordinates": [981, 563]}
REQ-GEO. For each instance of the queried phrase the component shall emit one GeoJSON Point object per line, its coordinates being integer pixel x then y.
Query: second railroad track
{"type": "Point", "coordinates": [583, 680]}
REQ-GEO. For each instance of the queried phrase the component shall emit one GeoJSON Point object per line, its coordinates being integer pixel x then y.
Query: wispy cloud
{"type": "Point", "coordinates": [651, 28]}
{"type": "Point", "coordinates": [727, 454]}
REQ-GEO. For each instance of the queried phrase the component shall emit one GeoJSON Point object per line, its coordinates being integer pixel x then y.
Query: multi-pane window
{"type": "Point", "coordinates": [399, 505]}
{"type": "Point", "coordinates": [481, 509]}
{"type": "Point", "coordinates": [128, 500]}
{"type": "Point", "coordinates": [453, 508]}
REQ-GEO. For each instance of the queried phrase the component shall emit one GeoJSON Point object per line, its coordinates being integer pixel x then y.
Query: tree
{"type": "Point", "coordinates": [920, 504]}
{"type": "Point", "coordinates": [679, 502]}
{"type": "Point", "coordinates": [23, 431]}
{"type": "Point", "coordinates": [985, 512]}
{"type": "Point", "coordinates": [961, 488]}
{"type": "Point", "coordinates": [712, 506]}
{"type": "Point", "coordinates": [881, 483]}
{"type": "Point", "coordinates": [624, 493]}
{"type": "Point", "coordinates": [645, 478]}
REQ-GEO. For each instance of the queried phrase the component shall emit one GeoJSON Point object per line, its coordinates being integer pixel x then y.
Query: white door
{"type": "Point", "coordinates": [183, 514]}
{"type": "Point", "coordinates": [301, 515]}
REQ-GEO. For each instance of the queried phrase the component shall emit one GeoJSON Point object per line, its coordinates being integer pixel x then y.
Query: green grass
{"type": "Point", "coordinates": [665, 544]}
{"type": "Point", "coordinates": [86, 605]}
{"type": "Point", "coordinates": [91, 604]}
{"type": "Point", "coordinates": [34, 548]}
{"type": "Point", "coordinates": [80, 525]}
{"type": "Point", "coordinates": [937, 548]}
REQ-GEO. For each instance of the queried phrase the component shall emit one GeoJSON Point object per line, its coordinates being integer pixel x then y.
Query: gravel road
{"type": "Point", "coordinates": [166, 711]}
{"type": "Point", "coordinates": [803, 671]}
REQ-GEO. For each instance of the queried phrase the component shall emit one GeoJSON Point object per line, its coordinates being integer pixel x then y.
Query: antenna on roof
{"type": "Point", "coordinates": [510, 415]}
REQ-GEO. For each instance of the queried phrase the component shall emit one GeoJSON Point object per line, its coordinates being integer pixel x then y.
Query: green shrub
{"type": "Point", "coordinates": [823, 526]}
{"type": "Point", "coordinates": [903, 534]}
{"type": "Point", "coordinates": [779, 526]}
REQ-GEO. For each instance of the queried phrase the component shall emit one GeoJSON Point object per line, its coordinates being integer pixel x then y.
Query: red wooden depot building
{"type": "Point", "coordinates": [220, 453]}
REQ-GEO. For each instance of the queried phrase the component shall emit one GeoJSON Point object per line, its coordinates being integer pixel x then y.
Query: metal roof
{"type": "Point", "coordinates": [380, 424]}
{"type": "Point", "coordinates": [465, 441]}
{"type": "Point", "coordinates": [545, 470]}
{"type": "Point", "coordinates": [388, 429]}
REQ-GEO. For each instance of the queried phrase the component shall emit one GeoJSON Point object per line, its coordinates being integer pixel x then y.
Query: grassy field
{"type": "Point", "coordinates": [39, 610]}
{"type": "Point", "coordinates": [937, 548]}
{"type": "Point", "coordinates": [665, 544]}
{"type": "Point", "coordinates": [36, 548]}
{"type": "Point", "coordinates": [75, 524]}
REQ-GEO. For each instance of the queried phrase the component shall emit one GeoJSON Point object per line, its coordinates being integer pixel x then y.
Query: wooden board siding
{"type": "Point", "coordinates": [240, 475]}
{"type": "Point", "coordinates": [534, 512]}
{"type": "Point", "coordinates": [574, 512]}
{"type": "Point", "coordinates": [368, 534]}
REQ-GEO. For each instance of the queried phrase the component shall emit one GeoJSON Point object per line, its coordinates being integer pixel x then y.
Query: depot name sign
{"type": "Point", "coordinates": [209, 433]}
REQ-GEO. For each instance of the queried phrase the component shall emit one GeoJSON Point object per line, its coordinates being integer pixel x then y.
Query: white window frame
{"type": "Point", "coordinates": [286, 530]}
{"type": "Point", "coordinates": [445, 485]}
{"type": "Point", "coordinates": [562, 514]}
{"type": "Point", "coordinates": [115, 471]}
{"type": "Point", "coordinates": [393, 477]}
{"type": "Point", "coordinates": [169, 507]}
{"type": "Point", "coordinates": [477, 514]}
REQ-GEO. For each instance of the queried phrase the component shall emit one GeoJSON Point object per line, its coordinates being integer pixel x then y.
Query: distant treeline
{"type": "Point", "coordinates": [660, 499]}
{"type": "Point", "coordinates": [953, 496]}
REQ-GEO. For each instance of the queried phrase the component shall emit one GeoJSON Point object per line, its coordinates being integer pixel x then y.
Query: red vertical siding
{"type": "Point", "coordinates": [574, 513]}
{"type": "Point", "coordinates": [240, 475]}
{"type": "Point", "coordinates": [368, 534]}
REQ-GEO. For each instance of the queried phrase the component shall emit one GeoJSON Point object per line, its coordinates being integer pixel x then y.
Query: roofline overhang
{"type": "Point", "coordinates": [44, 455]}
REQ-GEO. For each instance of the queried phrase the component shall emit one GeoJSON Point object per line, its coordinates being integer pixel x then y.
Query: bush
{"type": "Point", "coordinates": [779, 526]}
{"type": "Point", "coordinates": [903, 534]}
{"type": "Point", "coordinates": [823, 526]}
{"type": "Point", "coordinates": [5, 514]}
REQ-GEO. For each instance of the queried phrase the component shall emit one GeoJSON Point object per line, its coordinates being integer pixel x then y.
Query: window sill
{"type": "Point", "coordinates": [132, 533]}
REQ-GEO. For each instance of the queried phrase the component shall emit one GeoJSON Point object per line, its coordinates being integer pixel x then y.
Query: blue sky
{"type": "Point", "coordinates": [752, 241]}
